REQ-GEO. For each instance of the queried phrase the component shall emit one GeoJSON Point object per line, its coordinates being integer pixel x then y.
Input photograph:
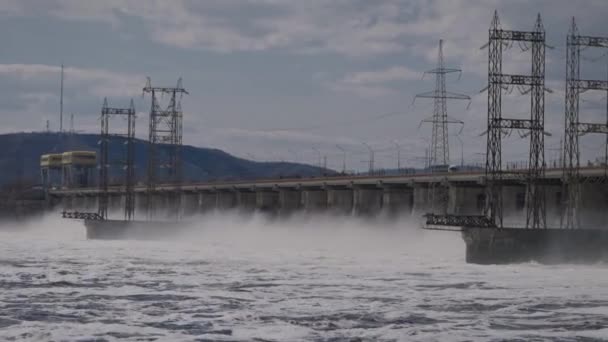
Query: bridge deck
{"type": "Point", "coordinates": [551, 175]}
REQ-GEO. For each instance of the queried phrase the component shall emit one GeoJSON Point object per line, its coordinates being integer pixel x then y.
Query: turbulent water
{"type": "Point", "coordinates": [241, 279]}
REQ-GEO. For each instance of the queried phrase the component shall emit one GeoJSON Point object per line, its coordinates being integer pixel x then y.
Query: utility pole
{"type": "Point", "coordinates": [61, 103]}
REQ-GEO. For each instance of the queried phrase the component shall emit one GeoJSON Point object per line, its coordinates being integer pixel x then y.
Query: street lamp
{"type": "Point", "coordinates": [293, 154]}
{"type": "Point", "coordinates": [461, 150]}
{"type": "Point", "coordinates": [343, 158]}
{"type": "Point", "coordinates": [371, 158]}
{"type": "Point", "coordinates": [398, 156]}
{"type": "Point", "coordinates": [318, 160]}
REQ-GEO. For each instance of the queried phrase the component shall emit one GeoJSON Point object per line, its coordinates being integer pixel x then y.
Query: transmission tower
{"type": "Point", "coordinates": [440, 149]}
{"type": "Point", "coordinates": [126, 162]}
{"type": "Point", "coordinates": [165, 142]}
{"type": "Point", "coordinates": [533, 84]}
{"type": "Point", "coordinates": [440, 145]}
{"type": "Point", "coordinates": [573, 127]}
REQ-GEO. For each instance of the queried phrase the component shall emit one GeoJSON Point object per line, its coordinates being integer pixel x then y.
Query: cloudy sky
{"type": "Point", "coordinates": [277, 79]}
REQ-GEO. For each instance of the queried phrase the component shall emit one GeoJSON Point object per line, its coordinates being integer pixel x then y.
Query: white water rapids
{"type": "Point", "coordinates": [243, 278]}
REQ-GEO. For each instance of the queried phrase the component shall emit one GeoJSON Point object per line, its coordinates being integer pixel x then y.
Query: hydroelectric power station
{"type": "Point", "coordinates": [534, 213]}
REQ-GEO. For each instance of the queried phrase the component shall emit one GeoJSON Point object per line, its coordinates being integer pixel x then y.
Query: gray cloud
{"type": "Point", "coordinates": [327, 70]}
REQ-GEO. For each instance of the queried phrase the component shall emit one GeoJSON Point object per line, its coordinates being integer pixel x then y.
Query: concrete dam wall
{"type": "Point", "coordinates": [364, 196]}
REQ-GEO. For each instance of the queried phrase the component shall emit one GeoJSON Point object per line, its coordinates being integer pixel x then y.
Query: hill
{"type": "Point", "coordinates": [20, 159]}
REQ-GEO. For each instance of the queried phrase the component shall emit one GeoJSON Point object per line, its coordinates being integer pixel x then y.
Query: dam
{"type": "Point", "coordinates": [407, 195]}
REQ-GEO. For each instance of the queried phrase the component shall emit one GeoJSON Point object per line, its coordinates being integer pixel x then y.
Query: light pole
{"type": "Point", "coordinates": [371, 158]}
{"type": "Point", "coordinates": [293, 154]}
{"type": "Point", "coordinates": [319, 159]}
{"type": "Point", "coordinates": [343, 158]}
{"type": "Point", "coordinates": [398, 156]}
{"type": "Point", "coordinates": [461, 150]}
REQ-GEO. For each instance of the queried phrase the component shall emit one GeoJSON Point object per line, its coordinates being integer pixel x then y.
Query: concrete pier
{"type": "Point", "coordinates": [267, 201]}
{"type": "Point", "coordinates": [314, 200]}
{"type": "Point", "coordinates": [246, 201]}
{"type": "Point", "coordinates": [290, 201]}
{"type": "Point", "coordinates": [208, 201]}
{"type": "Point", "coordinates": [226, 200]}
{"type": "Point", "coordinates": [466, 199]}
{"type": "Point", "coordinates": [422, 197]}
{"type": "Point", "coordinates": [397, 201]}
{"type": "Point", "coordinates": [340, 200]}
{"type": "Point", "coordinates": [549, 246]}
{"type": "Point", "coordinates": [367, 200]}
{"type": "Point", "coordinates": [191, 203]}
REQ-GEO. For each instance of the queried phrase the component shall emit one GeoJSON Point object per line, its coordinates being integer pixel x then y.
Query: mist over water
{"type": "Point", "coordinates": [238, 277]}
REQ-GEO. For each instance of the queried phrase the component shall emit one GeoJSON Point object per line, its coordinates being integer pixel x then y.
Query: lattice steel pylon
{"type": "Point", "coordinates": [440, 148]}
{"type": "Point", "coordinates": [533, 84]}
{"type": "Point", "coordinates": [126, 162]}
{"type": "Point", "coordinates": [573, 128]}
{"type": "Point", "coordinates": [165, 131]}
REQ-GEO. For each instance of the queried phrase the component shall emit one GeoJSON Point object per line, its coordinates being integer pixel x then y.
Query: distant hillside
{"type": "Point", "coordinates": [20, 159]}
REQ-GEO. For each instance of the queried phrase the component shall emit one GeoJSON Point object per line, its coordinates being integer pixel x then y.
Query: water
{"type": "Point", "coordinates": [243, 279]}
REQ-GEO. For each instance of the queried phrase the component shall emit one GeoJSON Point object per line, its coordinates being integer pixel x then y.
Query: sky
{"type": "Point", "coordinates": [283, 79]}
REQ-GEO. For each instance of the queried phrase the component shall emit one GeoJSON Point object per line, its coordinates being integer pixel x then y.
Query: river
{"type": "Point", "coordinates": [233, 278]}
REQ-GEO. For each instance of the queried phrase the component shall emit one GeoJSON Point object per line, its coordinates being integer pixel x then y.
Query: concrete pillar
{"type": "Point", "coordinates": [592, 207]}
{"type": "Point", "coordinates": [466, 199]}
{"type": "Point", "coordinates": [340, 200]}
{"type": "Point", "coordinates": [367, 201]}
{"type": "Point", "coordinates": [226, 200]}
{"type": "Point", "coordinates": [267, 201]}
{"type": "Point", "coordinates": [514, 205]}
{"type": "Point", "coordinates": [190, 203]}
{"type": "Point", "coordinates": [246, 200]}
{"type": "Point", "coordinates": [115, 202]}
{"type": "Point", "coordinates": [66, 202]}
{"type": "Point", "coordinates": [93, 203]}
{"type": "Point", "coordinates": [208, 201]}
{"type": "Point", "coordinates": [314, 200]}
{"type": "Point", "coordinates": [141, 200]}
{"type": "Point", "coordinates": [397, 201]}
{"type": "Point", "coordinates": [78, 203]}
{"type": "Point", "coordinates": [553, 197]}
{"type": "Point", "coordinates": [290, 200]}
{"type": "Point", "coordinates": [421, 198]}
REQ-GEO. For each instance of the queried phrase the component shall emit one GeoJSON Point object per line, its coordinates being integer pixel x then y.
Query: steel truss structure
{"type": "Point", "coordinates": [165, 143]}
{"type": "Point", "coordinates": [440, 148]}
{"type": "Point", "coordinates": [126, 161]}
{"type": "Point", "coordinates": [460, 220]}
{"type": "Point", "coordinates": [76, 215]}
{"type": "Point", "coordinates": [573, 127]}
{"type": "Point", "coordinates": [534, 84]}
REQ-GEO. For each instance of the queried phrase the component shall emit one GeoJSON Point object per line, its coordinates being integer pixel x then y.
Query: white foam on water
{"type": "Point", "coordinates": [240, 277]}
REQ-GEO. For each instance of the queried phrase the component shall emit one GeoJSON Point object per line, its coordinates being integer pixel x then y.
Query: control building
{"type": "Point", "coordinates": [78, 168]}
{"type": "Point", "coordinates": [50, 170]}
